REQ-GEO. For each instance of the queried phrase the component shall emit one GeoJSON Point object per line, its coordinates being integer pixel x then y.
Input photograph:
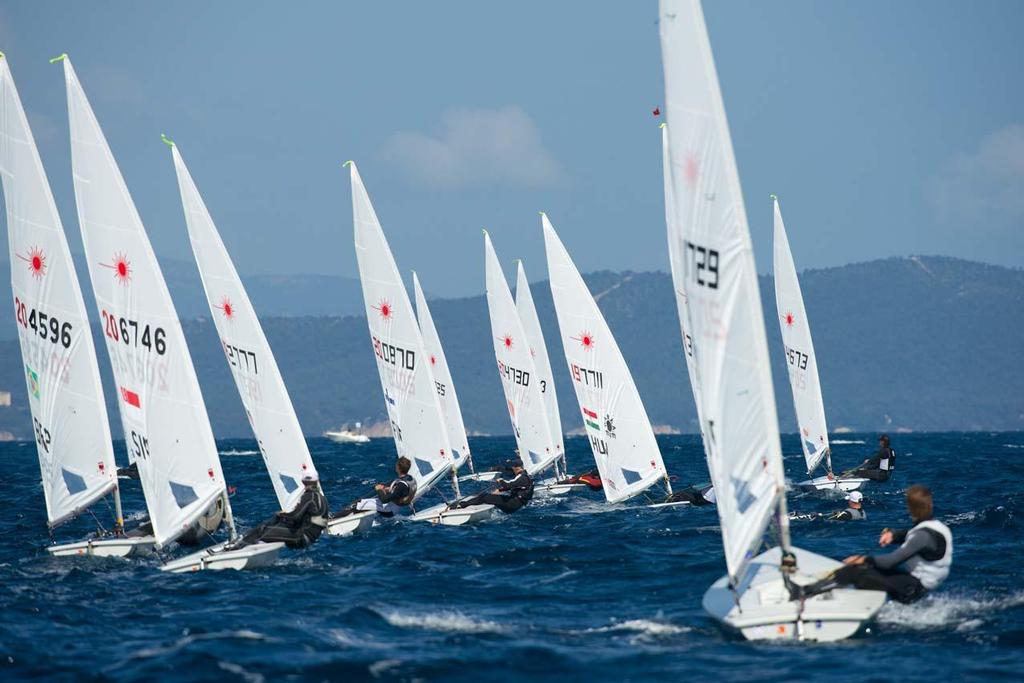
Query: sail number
{"type": "Point", "coordinates": [237, 357]}
{"type": "Point", "coordinates": [514, 375]}
{"type": "Point", "coordinates": [585, 376]}
{"type": "Point", "coordinates": [48, 327]}
{"type": "Point", "coordinates": [797, 359]}
{"type": "Point", "coordinates": [42, 435]}
{"type": "Point", "coordinates": [395, 355]}
{"type": "Point", "coordinates": [703, 263]}
{"type": "Point", "coordinates": [127, 331]}
{"type": "Point", "coordinates": [441, 388]}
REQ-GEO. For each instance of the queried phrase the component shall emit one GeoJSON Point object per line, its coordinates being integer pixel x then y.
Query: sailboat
{"type": "Point", "coordinates": [535, 338]}
{"type": "Point", "coordinates": [614, 417]}
{"type": "Point", "coordinates": [167, 431]}
{"type": "Point", "coordinates": [443, 382]}
{"type": "Point", "coordinates": [717, 293]}
{"type": "Point", "coordinates": [410, 394]}
{"type": "Point", "coordinates": [802, 365]}
{"type": "Point", "coordinates": [69, 417]}
{"type": "Point", "coordinates": [250, 358]}
{"type": "Point", "coordinates": [514, 352]}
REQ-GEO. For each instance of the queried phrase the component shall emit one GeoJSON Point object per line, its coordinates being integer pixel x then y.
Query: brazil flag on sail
{"type": "Point", "coordinates": [33, 381]}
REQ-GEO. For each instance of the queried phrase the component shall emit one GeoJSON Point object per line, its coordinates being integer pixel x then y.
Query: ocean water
{"type": "Point", "coordinates": [567, 589]}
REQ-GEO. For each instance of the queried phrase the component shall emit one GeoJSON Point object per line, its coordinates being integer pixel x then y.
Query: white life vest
{"type": "Point", "coordinates": [931, 573]}
{"type": "Point", "coordinates": [887, 463]}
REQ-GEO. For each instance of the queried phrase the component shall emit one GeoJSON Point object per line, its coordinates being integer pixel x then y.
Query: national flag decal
{"type": "Point", "coordinates": [591, 418]}
{"type": "Point", "coordinates": [33, 381]}
{"type": "Point", "coordinates": [130, 397]}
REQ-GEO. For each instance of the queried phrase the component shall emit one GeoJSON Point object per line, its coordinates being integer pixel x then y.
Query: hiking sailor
{"type": "Point", "coordinates": [509, 495]}
{"type": "Point", "coordinates": [878, 467]}
{"type": "Point", "coordinates": [299, 528]}
{"type": "Point", "coordinates": [919, 565]}
{"type": "Point", "coordinates": [390, 499]}
{"type": "Point", "coordinates": [854, 510]}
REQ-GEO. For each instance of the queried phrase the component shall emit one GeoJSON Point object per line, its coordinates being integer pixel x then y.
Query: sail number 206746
{"type": "Point", "coordinates": [132, 333]}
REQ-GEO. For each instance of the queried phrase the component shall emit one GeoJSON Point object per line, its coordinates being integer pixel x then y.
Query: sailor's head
{"type": "Point", "coordinates": [517, 466]}
{"type": "Point", "coordinates": [855, 498]}
{"type": "Point", "coordinates": [310, 480]}
{"type": "Point", "coordinates": [919, 503]}
{"type": "Point", "coordinates": [884, 440]}
{"type": "Point", "coordinates": [403, 465]}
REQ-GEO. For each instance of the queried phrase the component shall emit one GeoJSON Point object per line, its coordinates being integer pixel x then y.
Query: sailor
{"type": "Point", "coordinates": [299, 528]}
{"type": "Point", "coordinates": [880, 466]}
{"type": "Point", "coordinates": [919, 565]}
{"type": "Point", "coordinates": [694, 495]}
{"type": "Point", "coordinates": [389, 499]}
{"type": "Point", "coordinates": [854, 509]}
{"type": "Point", "coordinates": [508, 496]}
{"type": "Point", "coordinates": [591, 479]}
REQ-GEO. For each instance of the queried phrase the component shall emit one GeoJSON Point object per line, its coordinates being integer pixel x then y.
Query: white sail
{"type": "Point", "coordinates": [72, 433]}
{"type": "Point", "coordinates": [248, 354]}
{"type": "Point", "coordinates": [417, 421]}
{"type": "Point", "coordinates": [442, 379]}
{"type": "Point", "coordinates": [517, 370]}
{"type": "Point", "coordinates": [714, 272]}
{"type": "Point", "coordinates": [535, 337]}
{"type": "Point", "coordinates": [166, 428]}
{"type": "Point", "coordinates": [799, 349]}
{"type": "Point", "coordinates": [616, 422]}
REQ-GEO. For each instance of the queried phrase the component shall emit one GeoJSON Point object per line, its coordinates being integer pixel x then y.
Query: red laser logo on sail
{"type": "Point", "coordinates": [227, 308]}
{"type": "Point", "coordinates": [384, 308]}
{"type": "Point", "coordinates": [122, 268]}
{"type": "Point", "coordinates": [433, 361]}
{"type": "Point", "coordinates": [36, 261]}
{"type": "Point", "coordinates": [506, 341]}
{"type": "Point", "coordinates": [789, 319]}
{"type": "Point", "coordinates": [586, 340]}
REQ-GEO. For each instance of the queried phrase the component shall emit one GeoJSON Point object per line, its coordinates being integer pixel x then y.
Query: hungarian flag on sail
{"type": "Point", "coordinates": [591, 418]}
{"type": "Point", "coordinates": [130, 397]}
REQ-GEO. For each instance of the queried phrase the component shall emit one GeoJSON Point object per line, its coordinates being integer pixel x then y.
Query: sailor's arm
{"type": "Point", "coordinates": [910, 548]}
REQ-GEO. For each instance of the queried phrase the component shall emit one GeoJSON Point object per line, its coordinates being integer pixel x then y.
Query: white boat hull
{"type": "Point", "coordinates": [766, 612]}
{"type": "Point", "coordinates": [121, 546]}
{"type": "Point", "coordinates": [441, 514]}
{"type": "Point", "coordinates": [673, 504]}
{"type": "Point", "coordinates": [351, 524]}
{"type": "Point", "coordinates": [481, 476]}
{"type": "Point", "coordinates": [216, 558]}
{"type": "Point", "coordinates": [337, 437]}
{"type": "Point", "coordinates": [823, 483]}
{"type": "Point", "coordinates": [551, 487]}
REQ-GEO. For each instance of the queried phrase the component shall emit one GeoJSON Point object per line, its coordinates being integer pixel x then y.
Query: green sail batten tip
{"type": "Point", "coordinates": [166, 140]}
{"type": "Point", "coordinates": [59, 58]}
{"type": "Point", "coordinates": [663, 125]}
{"type": "Point", "coordinates": [2, 55]}
{"type": "Point", "coordinates": [347, 163]}
{"type": "Point", "coordinates": [774, 197]}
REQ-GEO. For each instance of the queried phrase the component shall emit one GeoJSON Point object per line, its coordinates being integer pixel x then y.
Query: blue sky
{"type": "Point", "coordinates": [885, 128]}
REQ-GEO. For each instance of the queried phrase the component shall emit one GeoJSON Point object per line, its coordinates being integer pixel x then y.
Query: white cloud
{"type": "Point", "coordinates": [475, 147]}
{"type": "Point", "coordinates": [985, 188]}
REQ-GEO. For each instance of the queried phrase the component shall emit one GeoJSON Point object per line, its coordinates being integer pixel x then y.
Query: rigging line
{"type": "Point", "coordinates": [103, 531]}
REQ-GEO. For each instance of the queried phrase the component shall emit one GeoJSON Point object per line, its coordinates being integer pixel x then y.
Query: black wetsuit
{"type": "Point", "coordinates": [692, 495]}
{"type": "Point", "coordinates": [297, 529]}
{"type": "Point", "coordinates": [513, 495]}
{"type": "Point", "coordinates": [878, 467]}
{"type": "Point", "coordinates": [889, 572]}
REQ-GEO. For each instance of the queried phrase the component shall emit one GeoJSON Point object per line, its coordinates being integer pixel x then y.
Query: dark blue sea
{"type": "Point", "coordinates": [566, 589]}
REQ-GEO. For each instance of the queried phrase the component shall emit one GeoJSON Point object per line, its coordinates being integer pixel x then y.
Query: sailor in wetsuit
{"type": "Point", "coordinates": [694, 495]}
{"type": "Point", "coordinates": [299, 528]}
{"type": "Point", "coordinates": [591, 479]}
{"type": "Point", "coordinates": [509, 495]}
{"type": "Point", "coordinates": [854, 509]}
{"type": "Point", "coordinates": [390, 498]}
{"type": "Point", "coordinates": [878, 467]}
{"type": "Point", "coordinates": [919, 565]}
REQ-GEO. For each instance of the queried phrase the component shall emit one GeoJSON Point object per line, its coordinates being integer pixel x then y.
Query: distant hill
{"type": "Point", "coordinates": [919, 343]}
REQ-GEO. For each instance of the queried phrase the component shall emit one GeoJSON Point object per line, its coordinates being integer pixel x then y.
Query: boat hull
{"type": "Point", "coordinates": [823, 483]}
{"type": "Point", "coordinates": [765, 611]}
{"type": "Point", "coordinates": [351, 524]}
{"type": "Point", "coordinates": [551, 487]}
{"type": "Point", "coordinates": [481, 476]}
{"type": "Point", "coordinates": [122, 546]}
{"type": "Point", "coordinates": [441, 514]}
{"type": "Point", "coordinates": [217, 557]}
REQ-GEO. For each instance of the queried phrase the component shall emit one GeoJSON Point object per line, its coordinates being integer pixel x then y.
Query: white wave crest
{"type": "Point", "coordinates": [961, 613]}
{"type": "Point", "coordinates": [446, 620]}
{"type": "Point", "coordinates": [1013, 445]}
{"type": "Point", "coordinates": [644, 627]}
{"type": "Point", "coordinates": [843, 442]}
{"type": "Point", "coordinates": [235, 451]}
